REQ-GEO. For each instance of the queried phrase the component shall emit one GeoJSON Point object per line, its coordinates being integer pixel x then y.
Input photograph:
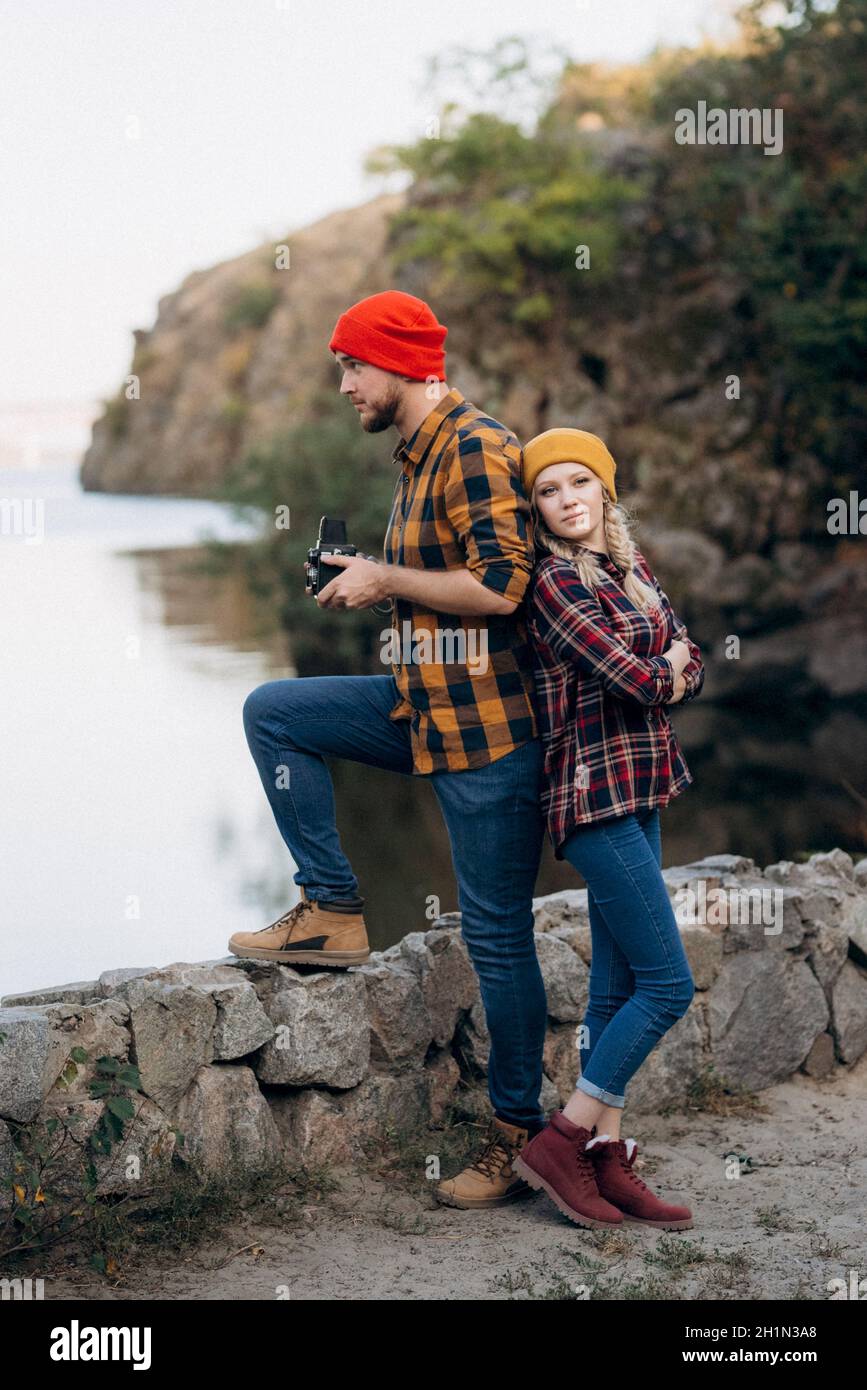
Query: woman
{"type": "Point", "coordinates": [610, 655]}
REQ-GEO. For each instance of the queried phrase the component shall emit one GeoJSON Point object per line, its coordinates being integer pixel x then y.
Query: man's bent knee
{"type": "Point", "coordinates": [261, 701]}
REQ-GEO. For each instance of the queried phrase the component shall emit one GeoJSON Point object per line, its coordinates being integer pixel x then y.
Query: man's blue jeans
{"type": "Point", "coordinates": [495, 829]}
{"type": "Point", "coordinates": [640, 980]}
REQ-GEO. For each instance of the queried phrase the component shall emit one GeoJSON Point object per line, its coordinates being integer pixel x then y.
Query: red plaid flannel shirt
{"type": "Point", "coordinates": [602, 688]}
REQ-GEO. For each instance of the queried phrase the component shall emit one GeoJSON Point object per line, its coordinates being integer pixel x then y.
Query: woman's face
{"type": "Point", "coordinates": [568, 497]}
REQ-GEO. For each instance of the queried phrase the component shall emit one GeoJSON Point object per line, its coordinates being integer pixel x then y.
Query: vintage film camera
{"type": "Point", "coordinates": [332, 541]}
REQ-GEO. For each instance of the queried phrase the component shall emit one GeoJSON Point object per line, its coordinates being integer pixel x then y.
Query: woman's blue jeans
{"type": "Point", "coordinates": [495, 826]}
{"type": "Point", "coordinates": [640, 980]}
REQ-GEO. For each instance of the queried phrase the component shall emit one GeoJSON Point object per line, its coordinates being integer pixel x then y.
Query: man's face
{"type": "Point", "coordinates": [375, 393]}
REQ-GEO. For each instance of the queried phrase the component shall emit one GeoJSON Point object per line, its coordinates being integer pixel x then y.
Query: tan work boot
{"type": "Point", "coordinates": [489, 1179]}
{"type": "Point", "coordinates": [311, 933]}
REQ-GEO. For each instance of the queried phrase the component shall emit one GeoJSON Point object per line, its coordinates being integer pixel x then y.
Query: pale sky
{"type": "Point", "coordinates": [140, 141]}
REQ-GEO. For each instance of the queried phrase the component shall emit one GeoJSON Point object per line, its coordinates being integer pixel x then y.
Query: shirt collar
{"type": "Point", "coordinates": [599, 555]}
{"type": "Point", "coordinates": [410, 451]}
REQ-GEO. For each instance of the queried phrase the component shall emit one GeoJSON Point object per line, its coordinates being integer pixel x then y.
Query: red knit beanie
{"type": "Point", "coordinates": [395, 331]}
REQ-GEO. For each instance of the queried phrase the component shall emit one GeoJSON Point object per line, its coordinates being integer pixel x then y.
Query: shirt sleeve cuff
{"type": "Point", "coordinates": [665, 672]}
{"type": "Point", "coordinates": [693, 675]}
{"type": "Point", "coordinates": [507, 579]}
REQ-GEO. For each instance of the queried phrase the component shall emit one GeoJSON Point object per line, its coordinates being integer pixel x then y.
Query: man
{"type": "Point", "coordinates": [458, 555]}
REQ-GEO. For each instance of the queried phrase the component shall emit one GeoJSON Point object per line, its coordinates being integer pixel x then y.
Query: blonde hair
{"type": "Point", "coordinates": [618, 523]}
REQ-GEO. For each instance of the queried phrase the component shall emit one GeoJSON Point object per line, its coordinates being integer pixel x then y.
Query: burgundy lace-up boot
{"type": "Point", "coordinates": [556, 1162]}
{"type": "Point", "coordinates": [620, 1185]}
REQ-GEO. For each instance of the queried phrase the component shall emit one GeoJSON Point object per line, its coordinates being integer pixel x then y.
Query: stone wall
{"type": "Point", "coordinates": [245, 1062]}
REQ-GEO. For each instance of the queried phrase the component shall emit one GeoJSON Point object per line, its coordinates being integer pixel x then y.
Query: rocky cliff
{"type": "Point", "coordinates": [236, 353]}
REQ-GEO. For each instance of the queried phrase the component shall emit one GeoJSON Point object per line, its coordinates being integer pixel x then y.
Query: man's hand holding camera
{"type": "Point", "coordinates": [361, 586]}
{"type": "Point", "coordinates": [366, 580]}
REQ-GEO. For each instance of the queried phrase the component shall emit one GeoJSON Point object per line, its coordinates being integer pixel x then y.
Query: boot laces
{"type": "Point", "coordinates": [487, 1162]}
{"type": "Point", "coordinates": [626, 1167]}
{"type": "Point", "coordinates": [585, 1162]}
{"type": "Point", "coordinates": [289, 918]}
{"type": "Point", "coordinates": [633, 1177]}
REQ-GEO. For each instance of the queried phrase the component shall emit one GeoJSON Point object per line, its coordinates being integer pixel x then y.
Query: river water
{"type": "Point", "coordinates": [133, 827]}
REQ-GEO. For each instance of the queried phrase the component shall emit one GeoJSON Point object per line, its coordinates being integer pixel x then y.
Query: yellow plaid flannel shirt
{"type": "Point", "coordinates": [458, 503]}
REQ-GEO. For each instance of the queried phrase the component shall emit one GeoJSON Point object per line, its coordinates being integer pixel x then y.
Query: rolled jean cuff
{"type": "Point", "coordinates": [597, 1093]}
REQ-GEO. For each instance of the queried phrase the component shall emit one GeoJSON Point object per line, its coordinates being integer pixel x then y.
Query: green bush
{"type": "Point", "coordinates": [251, 306]}
{"type": "Point", "coordinates": [233, 410]}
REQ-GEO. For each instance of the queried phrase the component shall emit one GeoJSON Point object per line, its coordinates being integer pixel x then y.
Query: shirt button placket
{"type": "Point", "coordinates": [405, 480]}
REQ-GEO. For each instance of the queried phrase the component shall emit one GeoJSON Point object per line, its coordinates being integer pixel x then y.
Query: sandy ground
{"type": "Point", "coordinates": [794, 1220]}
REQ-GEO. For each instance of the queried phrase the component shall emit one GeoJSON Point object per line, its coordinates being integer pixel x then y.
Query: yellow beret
{"type": "Point", "coordinates": [567, 446]}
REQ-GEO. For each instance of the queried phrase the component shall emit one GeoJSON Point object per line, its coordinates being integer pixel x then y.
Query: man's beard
{"type": "Point", "coordinates": [383, 415]}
